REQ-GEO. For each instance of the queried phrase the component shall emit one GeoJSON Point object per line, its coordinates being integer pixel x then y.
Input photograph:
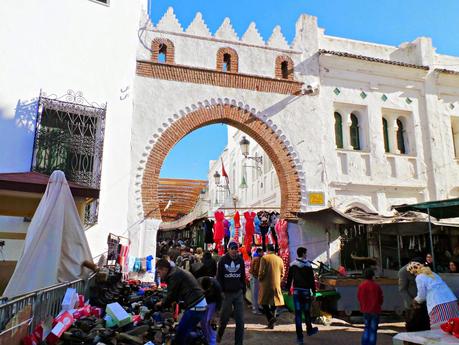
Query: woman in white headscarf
{"type": "Point", "coordinates": [441, 301]}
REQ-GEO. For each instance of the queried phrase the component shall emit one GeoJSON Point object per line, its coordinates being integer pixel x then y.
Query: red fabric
{"type": "Point", "coordinates": [219, 229]}
{"type": "Point", "coordinates": [370, 297]}
{"type": "Point", "coordinates": [237, 220]}
{"type": "Point", "coordinates": [237, 226]}
{"type": "Point", "coordinates": [284, 252]}
{"type": "Point", "coordinates": [249, 228]}
{"type": "Point", "coordinates": [282, 234]}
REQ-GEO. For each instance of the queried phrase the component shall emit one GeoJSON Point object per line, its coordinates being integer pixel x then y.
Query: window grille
{"type": "Point", "coordinates": [69, 136]}
{"type": "Point", "coordinates": [386, 135]}
{"type": "Point", "coordinates": [338, 130]}
{"type": "Point", "coordinates": [401, 137]}
{"type": "Point", "coordinates": [354, 132]}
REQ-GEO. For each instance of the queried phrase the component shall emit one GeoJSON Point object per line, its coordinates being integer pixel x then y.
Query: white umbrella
{"type": "Point", "coordinates": [55, 244]}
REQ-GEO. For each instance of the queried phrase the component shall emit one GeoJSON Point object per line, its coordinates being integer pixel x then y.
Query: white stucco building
{"type": "Point", "coordinates": [315, 105]}
{"type": "Point", "coordinates": [252, 184]}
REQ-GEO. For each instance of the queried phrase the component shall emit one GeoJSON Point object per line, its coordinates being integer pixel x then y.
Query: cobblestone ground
{"type": "Point", "coordinates": [339, 332]}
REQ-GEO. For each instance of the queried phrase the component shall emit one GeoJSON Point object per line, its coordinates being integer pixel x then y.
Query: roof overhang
{"type": "Point", "coordinates": [440, 209]}
{"type": "Point", "coordinates": [20, 193]}
{"type": "Point", "coordinates": [401, 223]}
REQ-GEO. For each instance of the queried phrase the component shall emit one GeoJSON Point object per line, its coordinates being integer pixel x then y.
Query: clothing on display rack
{"type": "Point", "coordinates": [264, 227]}
{"type": "Point", "coordinates": [249, 228]}
{"type": "Point", "coordinates": [257, 222]}
{"type": "Point", "coordinates": [226, 225]}
{"type": "Point", "coordinates": [208, 231]}
{"type": "Point", "coordinates": [273, 218]}
{"type": "Point", "coordinates": [113, 243]}
{"type": "Point", "coordinates": [219, 231]}
{"type": "Point", "coordinates": [237, 226]}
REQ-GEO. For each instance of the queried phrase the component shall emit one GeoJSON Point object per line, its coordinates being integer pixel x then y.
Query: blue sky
{"type": "Point", "coordinates": [386, 21]}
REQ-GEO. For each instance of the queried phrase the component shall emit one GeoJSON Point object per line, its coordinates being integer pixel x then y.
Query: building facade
{"type": "Point", "coordinates": [71, 66]}
{"type": "Point", "coordinates": [252, 184]}
{"type": "Point", "coordinates": [345, 123]}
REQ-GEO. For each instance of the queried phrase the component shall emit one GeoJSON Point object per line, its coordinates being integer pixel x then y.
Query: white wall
{"type": "Point", "coordinates": [369, 178]}
{"type": "Point", "coordinates": [56, 45]}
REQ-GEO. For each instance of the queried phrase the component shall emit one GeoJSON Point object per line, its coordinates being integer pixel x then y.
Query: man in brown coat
{"type": "Point", "coordinates": [270, 277]}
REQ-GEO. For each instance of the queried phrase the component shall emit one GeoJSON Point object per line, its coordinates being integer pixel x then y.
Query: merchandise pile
{"type": "Point", "coordinates": [116, 313]}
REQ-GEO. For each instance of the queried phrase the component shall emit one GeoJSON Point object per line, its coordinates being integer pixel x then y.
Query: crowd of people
{"type": "Point", "coordinates": [212, 287]}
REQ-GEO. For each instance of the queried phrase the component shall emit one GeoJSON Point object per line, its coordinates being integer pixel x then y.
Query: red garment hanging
{"type": "Point", "coordinates": [219, 229]}
{"type": "Point", "coordinates": [249, 228]}
{"type": "Point", "coordinates": [237, 226]}
{"type": "Point", "coordinates": [237, 220]}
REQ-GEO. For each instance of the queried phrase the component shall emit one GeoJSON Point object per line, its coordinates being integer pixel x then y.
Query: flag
{"type": "Point", "coordinates": [224, 174]}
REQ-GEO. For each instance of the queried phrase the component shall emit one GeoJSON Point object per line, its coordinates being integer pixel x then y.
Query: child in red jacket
{"type": "Point", "coordinates": [370, 297]}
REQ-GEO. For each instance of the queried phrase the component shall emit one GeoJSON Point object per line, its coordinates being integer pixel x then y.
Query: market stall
{"type": "Point", "coordinates": [384, 242]}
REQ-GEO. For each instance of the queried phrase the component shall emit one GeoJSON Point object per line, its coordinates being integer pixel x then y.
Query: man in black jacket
{"type": "Point", "coordinates": [182, 287]}
{"type": "Point", "coordinates": [231, 276]}
{"type": "Point", "coordinates": [304, 288]}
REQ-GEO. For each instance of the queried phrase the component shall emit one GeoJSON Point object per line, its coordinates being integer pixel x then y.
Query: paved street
{"type": "Point", "coordinates": [339, 332]}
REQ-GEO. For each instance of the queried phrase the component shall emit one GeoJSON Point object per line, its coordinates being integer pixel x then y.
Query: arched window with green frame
{"type": "Point", "coordinates": [386, 135]}
{"type": "Point", "coordinates": [338, 130]}
{"type": "Point", "coordinates": [354, 132]}
{"type": "Point", "coordinates": [401, 137]}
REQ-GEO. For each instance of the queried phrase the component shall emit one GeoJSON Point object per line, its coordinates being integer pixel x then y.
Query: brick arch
{"type": "Point", "coordinates": [234, 68]}
{"type": "Point", "coordinates": [271, 140]}
{"type": "Point", "coordinates": [170, 52]}
{"type": "Point", "coordinates": [278, 67]}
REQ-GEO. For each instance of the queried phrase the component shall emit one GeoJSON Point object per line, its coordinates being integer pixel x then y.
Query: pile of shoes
{"type": "Point", "coordinates": [98, 321]}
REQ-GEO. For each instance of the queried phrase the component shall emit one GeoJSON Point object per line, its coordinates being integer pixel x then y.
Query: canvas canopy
{"type": "Point", "coordinates": [440, 209]}
{"type": "Point", "coordinates": [55, 244]}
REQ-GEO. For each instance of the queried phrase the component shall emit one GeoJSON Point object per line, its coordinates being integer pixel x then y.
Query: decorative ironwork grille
{"type": "Point", "coordinates": [69, 137]}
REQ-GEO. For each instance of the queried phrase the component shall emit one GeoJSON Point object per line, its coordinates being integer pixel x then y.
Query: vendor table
{"type": "Point", "coordinates": [433, 337]}
{"type": "Point", "coordinates": [347, 289]}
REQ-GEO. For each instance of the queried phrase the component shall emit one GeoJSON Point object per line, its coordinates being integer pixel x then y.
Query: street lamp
{"type": "Point", "coordinates": [245, 143]}
{"type": "Point", "coordinates": [217, 178]}
{"type": "Point", "coordinates": [219, 187]}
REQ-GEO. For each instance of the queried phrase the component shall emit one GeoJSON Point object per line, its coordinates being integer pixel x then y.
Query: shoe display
{"type": "Point", "coordinates": [146, 324]}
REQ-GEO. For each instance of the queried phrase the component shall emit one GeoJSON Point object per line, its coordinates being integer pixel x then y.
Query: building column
{"type": "Point", "coordinates": [392, 132]}
{"type": "Point", "coordinates": [347, 131]}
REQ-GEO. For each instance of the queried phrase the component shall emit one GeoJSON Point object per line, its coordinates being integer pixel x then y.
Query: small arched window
{"type": "Point", "coordinates": [338, 130]}
{"type": "Point", "coordinates": [163, 51]}
{"type": "Point", "coordinates": [386, 135]}
{"type": "Point", "coordinates": [284, 67]}
{"type": "Point", "coordinates": [354, 132]}
{"type": "Point", "coordinates": [401, 137]}
{"type": "Point", "coordinates": [227, 60]}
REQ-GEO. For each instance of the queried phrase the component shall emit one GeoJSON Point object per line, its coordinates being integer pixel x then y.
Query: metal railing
{"type": "Point", "coordinates": [44, 302]}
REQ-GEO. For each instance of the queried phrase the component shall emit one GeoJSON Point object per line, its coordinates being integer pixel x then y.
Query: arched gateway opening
{"type": "Point", "coordinates": [272, 143]}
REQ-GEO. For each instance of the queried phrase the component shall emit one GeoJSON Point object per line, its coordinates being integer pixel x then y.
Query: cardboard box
{"type": "Point", "coordinates": [80, 301]}
{"type": "Point", "coordinates": [61, 324]}
{"type": "Point", "coordinates": [120, 316]}
{"type": "Point", "coordinates": [97, 312]}
{"type": "Point", "coordinates": [70, 299]}
{"type": "Point", "coordinates": [82, 312]}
